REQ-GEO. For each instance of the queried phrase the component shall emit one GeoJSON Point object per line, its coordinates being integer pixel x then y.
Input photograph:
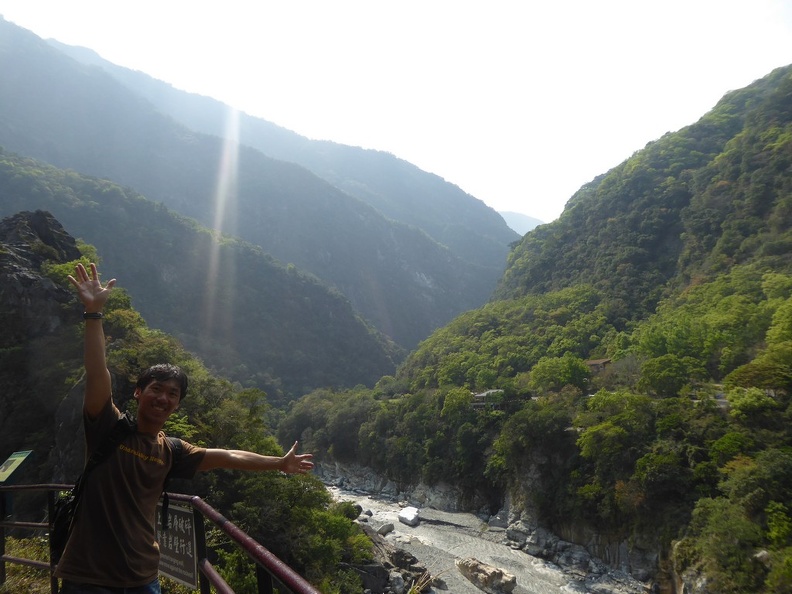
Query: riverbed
{"type": "Point", "coordinates": [441, 538]}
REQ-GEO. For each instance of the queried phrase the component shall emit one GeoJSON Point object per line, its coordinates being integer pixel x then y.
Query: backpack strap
{"type": "Point", "coordinates": [126, 425]}
{"type": "Point", "coordinates": [177, 447]}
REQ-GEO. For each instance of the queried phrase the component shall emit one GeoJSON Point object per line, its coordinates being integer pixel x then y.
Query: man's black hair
{"type": "Point", "coordinates": [162, 372]}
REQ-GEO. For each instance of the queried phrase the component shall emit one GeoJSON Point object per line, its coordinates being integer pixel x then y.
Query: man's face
{"type": "Point", "coordinates": [157, 401]}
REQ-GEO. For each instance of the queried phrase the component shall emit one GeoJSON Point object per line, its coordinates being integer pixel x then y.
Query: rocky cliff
{"type": "Point", "coordinates": [577, 549]}
{"type": "Point", "coordinates": [40, 350]}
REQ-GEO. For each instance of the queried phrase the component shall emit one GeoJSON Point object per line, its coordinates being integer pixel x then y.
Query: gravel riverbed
{"type": "Point", "coordinates": [441, 538]}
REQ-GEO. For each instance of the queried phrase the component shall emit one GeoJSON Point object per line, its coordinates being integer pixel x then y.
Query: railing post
{"type": "Point", "coordinates": [51, 514]}
{"type": "Point", "coordinates": [2, 537]}
{"type": "Point", "coordinates": [200, 545]}
{"type": "Point", "coordinates": [263, 580]}
{"type": "Point", "coordinates": [270, 571]}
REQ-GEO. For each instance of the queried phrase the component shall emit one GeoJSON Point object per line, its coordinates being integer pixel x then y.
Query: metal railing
{"type": "Point", "coordinates": [270, 570]}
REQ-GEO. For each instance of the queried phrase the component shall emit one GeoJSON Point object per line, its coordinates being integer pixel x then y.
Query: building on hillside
{"type": "Point", "coordinates": [597, 365]}
{"type": "Point", "coordinates": [490, 399]}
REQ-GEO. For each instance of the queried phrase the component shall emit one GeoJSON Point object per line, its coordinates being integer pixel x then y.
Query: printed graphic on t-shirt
{"type": "Point", "coordinates": [143, 456]}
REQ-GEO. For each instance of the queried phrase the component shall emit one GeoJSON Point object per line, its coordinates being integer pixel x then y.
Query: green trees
{"type": "Point", "coordinates": [724, 538]}
{"type": "Point", "coordinates": [752, 406]}
{"type": "Point", "coordinates": [490, 347]}
{"type": "Point", "coordinates": [536, 441]}
{"type": "Point", "coordinates": [726, 532]}
{"type": "Point", "coordinates": [614, 428]}
{"type": "Point", "coordinates": [665, 450]}
{"type": "Point", "coordinates": [296, 333]}
{"type": "Point", "coordinates": [675, 266]}
{"type": "Point", "coordinates": [298, 523]}
{"type": "Point", "coordinates": [553, 373]}
{"type": "Point", "coordinates": [711, 328]}
{"type": "Point", "coordinates": [667, 374]}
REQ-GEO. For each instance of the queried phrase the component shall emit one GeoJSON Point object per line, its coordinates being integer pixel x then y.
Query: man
{"type": "Point", "coordinates": [112, 547]}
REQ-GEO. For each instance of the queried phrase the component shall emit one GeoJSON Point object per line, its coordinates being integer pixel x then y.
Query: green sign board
{"type": "Point", "coordinates": [13, 462]}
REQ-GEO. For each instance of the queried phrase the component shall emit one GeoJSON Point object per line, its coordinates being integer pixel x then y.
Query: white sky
{"type": "Point", "coordinates": [517, 102]}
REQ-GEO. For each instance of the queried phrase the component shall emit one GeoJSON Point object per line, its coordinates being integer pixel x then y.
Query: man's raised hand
{"type": "Point", "coordinates": [89, 288]}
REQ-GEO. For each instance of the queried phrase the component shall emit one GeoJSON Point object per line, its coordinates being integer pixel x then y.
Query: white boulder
{"type": "Point", "coordinates": [410, 516]}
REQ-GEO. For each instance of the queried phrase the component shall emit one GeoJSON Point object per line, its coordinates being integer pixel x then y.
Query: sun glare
{"type": "Point", "coordinates": [224, 222]}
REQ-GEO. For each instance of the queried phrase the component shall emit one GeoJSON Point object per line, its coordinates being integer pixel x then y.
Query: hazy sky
{"type": "Point", "coordinates": [517, 102]}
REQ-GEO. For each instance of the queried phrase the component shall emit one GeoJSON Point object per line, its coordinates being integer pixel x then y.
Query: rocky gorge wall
{"type": "Point", "coordinates": [576, 548]}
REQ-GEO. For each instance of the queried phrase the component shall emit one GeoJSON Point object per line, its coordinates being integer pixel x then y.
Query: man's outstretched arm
{"type": "Point", "coordinates": [291, 462]}
{"type": "Point", "coordinates": [98, 384]}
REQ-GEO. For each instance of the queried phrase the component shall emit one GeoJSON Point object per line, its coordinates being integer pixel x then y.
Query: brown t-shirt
{"type": "Point", "coordinates": [113, 540]}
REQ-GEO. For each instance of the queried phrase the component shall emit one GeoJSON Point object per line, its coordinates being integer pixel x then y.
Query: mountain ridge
{"type": "Point", "coordinates": [249, 317]}
{"type": "Point", "coordinates": [79, 117]}
{"type": "Point", "coordinates": [449, 215]}
{"type": "Point", "coordinates": [642, 221]}
{"type": "Point", "coordinates": [629, 387]}
{"type": "Point", "coordinates": [519, 222]}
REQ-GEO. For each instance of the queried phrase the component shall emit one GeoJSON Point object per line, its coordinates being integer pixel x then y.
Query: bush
{"type": "Point", "coordinates": [21, 578]}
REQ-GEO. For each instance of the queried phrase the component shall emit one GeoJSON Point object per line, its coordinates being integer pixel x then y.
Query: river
{"type": "Point", "coordinates": [443, 537]}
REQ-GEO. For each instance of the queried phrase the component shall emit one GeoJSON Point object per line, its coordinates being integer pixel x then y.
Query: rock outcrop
{"type": "Point", "coordinates": [577, 550]}
{"type": "Point", "coordinates": [391, 570]}
{"type": "Point", "coordinates": [595, 555]}
{"type": "Point", "coordinates": [33, 305]}
{"type": "Point", "coordinates": [486, 577]}
{"type": "Point", "coordinates": [354, 477]}
{"type": "Point", "coordinates": [39, 318]}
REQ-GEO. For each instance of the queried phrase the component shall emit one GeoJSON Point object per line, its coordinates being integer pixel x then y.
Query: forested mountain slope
{"type": "Point", "coordinates": [631, 388]}
{"type": "Point", "coordinates": [250, 318]}
{"type": "Point", "coordinates": [41, 371]}
{"type": "Point", "coordinates": [689, 205]}
{"type": "Point", "coordinates": [75, 116]}
{"type": "Point", "coordinates": [399, 190]}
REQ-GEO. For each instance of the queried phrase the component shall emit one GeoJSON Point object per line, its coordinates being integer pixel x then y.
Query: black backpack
{"type": "Point", "coordinates": [66, 504]}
